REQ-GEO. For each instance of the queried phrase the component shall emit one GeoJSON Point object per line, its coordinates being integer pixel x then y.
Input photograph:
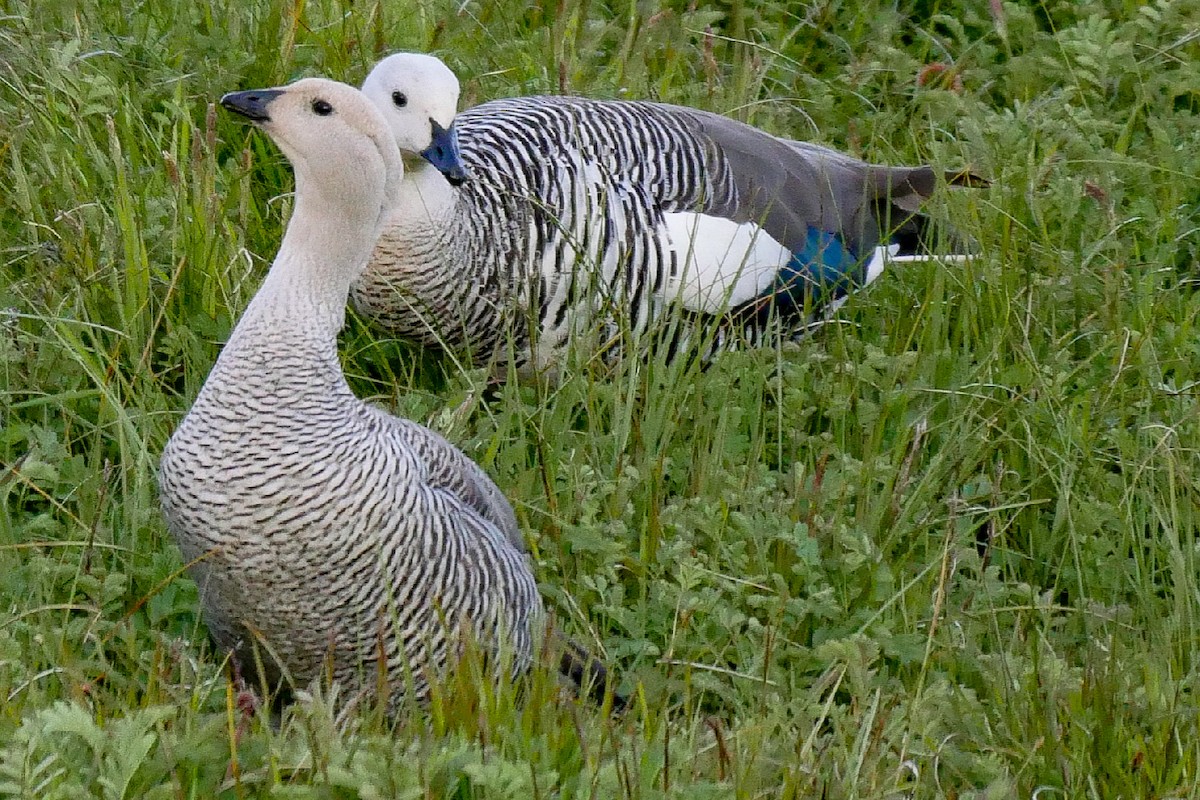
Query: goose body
{"type": "Point", "coordinates": [585, 215]}
{"type": "Point", "coordinates": [329, 538]}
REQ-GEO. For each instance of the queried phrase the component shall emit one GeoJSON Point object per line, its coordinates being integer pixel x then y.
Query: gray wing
{"type": "Point", "coordinates": [789, 186]}
{"type": "Point", "coordinates": [451, 470]}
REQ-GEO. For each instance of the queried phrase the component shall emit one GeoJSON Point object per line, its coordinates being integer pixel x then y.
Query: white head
{"type": "Point", "coordinates": [340, 147]}
{"type": "Point", "coordinates": [413, 90]}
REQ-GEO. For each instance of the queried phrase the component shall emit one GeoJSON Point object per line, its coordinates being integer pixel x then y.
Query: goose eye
{"type": "Point", "coordinates": [322, 108]}
{"type": "Point", "coordinates": [399, 99]}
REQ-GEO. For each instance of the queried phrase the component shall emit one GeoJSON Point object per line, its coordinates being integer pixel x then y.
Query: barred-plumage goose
{"type": "Point", "coordinates": [584, 215]}
{"type": "Point", "coordinates": [328, 537]}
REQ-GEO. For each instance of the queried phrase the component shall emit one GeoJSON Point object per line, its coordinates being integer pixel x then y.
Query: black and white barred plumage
{"type": "Point", "coordinates": [585, 216]}
{"type": "Point", "coordinates": [327, 537]}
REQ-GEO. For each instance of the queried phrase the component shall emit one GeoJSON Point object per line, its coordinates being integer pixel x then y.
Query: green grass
{"type": "Point", "coordinates": [946, 547]}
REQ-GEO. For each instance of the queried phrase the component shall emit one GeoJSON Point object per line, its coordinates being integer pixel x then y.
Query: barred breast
{"type": "Point", "coordinates": [335, 538]}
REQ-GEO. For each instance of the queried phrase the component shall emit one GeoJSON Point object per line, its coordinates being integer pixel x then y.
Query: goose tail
{"type": "Point", "coordinates": [590, 676]}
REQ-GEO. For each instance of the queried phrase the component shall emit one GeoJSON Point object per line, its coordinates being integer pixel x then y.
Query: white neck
{"type": "Point", "coordinates": [424, 197]}
{"type": "Point", "coordinates": [325, 247]}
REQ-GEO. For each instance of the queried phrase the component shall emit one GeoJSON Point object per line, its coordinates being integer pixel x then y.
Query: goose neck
{"type": "Point", "coordinates": [425, 196]}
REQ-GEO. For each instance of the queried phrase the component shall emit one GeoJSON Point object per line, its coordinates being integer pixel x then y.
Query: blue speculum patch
{"type": "Point", "coordinates": [821, 271]}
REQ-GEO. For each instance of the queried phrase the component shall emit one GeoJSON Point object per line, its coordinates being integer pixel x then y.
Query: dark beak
{"type": "Point", "coordinates": [444, 154]}
{"type": "Point", "coordinates": [252, 104]}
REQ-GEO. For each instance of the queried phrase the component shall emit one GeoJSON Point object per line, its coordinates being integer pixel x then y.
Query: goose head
{"type": "Point", "coordinates": [340, 146]}
{"type": "Point", "coordinates": [418, 95]}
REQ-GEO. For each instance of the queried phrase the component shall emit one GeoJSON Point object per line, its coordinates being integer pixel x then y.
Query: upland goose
{"type": "Point", "coordinates": [327, 537]}
{"type": "Point", "coordinates": [601, 216]}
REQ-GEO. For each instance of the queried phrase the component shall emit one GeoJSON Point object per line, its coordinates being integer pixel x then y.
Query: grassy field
{"type": "Point", "coordinates": [949, 546]}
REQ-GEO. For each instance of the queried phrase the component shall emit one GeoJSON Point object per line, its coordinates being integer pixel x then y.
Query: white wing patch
{"type": "Point", "coordinates": [722, 262]}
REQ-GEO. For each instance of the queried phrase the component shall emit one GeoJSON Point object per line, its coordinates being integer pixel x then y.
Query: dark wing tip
{"type": "Point", "coordinates": [965, 177]}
